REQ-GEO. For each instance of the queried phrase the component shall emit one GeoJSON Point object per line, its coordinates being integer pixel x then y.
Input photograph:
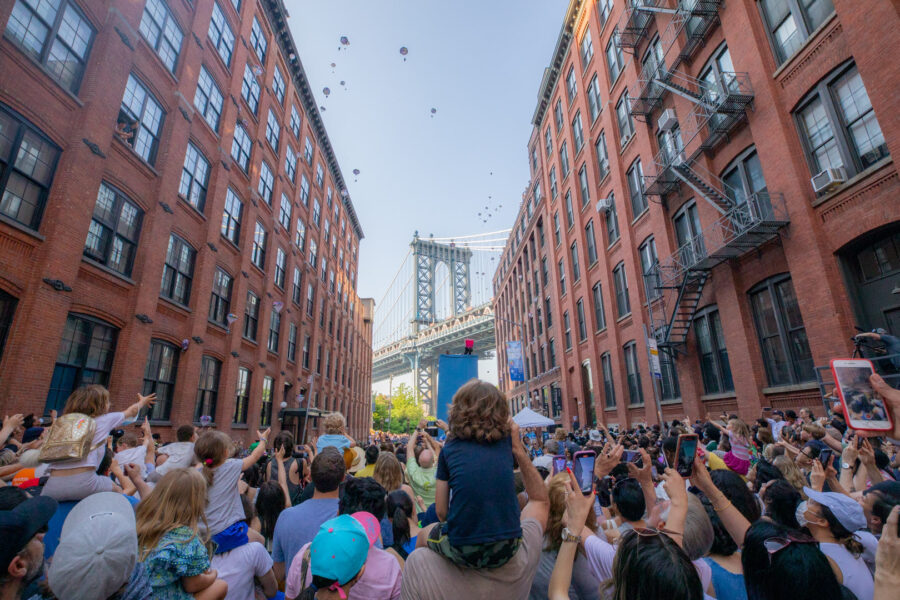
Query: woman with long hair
{"type": "Point", "coordinates": [389, 473]}
{"type": "Point", "coordinates": [404, 524]}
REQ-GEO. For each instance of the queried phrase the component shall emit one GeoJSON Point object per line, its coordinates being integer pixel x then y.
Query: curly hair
{"type": "Point", "coordinates": [334, 423]}
{"type": "Point", "coordinates": [479, 412]}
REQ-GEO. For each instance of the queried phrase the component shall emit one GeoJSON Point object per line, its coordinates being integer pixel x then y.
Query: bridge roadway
{"type": "Point", "coordinates": [419, 353]}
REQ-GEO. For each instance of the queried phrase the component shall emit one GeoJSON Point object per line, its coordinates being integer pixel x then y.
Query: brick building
{"type": "Point", "coordinates": [173, 217]}
{"type": "Point", "coordinates": [714, 176]}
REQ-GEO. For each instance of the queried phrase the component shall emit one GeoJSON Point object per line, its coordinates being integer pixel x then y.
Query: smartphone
{"type": "Point", "coordinates": [431, 428]}
{"type": "Point", "coordinates": [825, 457]}
{"type": "Point", "coordinates": [863, 408]}
{"type": "Point", "coordinates": [685, 452]}
{"type": "Point", "coordinates": [583, 462]}
{"type": "Point", "coordinates": [633, 456]}
{"type": "Point", "coordinates": [559, 463]}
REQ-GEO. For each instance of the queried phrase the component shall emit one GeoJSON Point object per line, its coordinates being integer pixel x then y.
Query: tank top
{"type": "Point", "coordinates": [293, 488]}
{"type": "Point", "coordinates": [725, 583]}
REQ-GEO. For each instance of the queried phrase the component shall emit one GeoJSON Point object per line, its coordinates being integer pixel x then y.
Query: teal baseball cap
{"type": "Point", "coordinates": [339, 550]}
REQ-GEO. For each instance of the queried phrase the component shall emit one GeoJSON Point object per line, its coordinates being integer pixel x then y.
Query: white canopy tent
{"type": "Point", "coordinates": [529, 418]}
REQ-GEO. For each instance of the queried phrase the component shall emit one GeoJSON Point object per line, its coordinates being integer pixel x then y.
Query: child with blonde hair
{"type": "Point", "coordinates": [171, 543]}
{"type": "Point", "coordinates": [77, 479]}
{"type": "Point", "coordinates": [335, 433]}
{"type": "Point", "coordinates": [224, 514]}
{"type": "Point", "coordinates": [739, 435]}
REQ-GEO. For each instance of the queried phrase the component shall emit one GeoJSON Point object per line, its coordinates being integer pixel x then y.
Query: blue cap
{"type": "Point", "coordinates": [847, 510]}
{"type": "Point", "coordinates": [339, 550]}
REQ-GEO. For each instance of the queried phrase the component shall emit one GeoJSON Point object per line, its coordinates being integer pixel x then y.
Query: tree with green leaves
{"type": "Point", "coordinates": [398, 413]}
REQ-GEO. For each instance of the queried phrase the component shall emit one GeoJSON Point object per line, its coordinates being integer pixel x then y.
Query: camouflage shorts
{"type": "Point", "coordinates": [473, 556]}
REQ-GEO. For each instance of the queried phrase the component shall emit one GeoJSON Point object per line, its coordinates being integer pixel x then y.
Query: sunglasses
{"type": "Point", "coordinates": [653, 531]}
{"type": "Point", "coordinates": [775, 545]}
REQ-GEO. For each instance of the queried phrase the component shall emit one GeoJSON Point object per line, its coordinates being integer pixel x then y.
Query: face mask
{"type": "Point", "coordinates": [800, 514]}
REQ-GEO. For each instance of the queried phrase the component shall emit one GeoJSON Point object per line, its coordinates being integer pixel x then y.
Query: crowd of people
{"type": "Point", "coordinates": [790, 506]}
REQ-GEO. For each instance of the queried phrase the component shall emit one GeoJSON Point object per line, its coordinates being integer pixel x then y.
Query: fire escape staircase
{"type": "Point", "coordinates": [695, 18]}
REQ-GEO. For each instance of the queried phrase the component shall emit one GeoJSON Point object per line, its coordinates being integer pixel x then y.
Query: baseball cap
{"type": "Point", "coordinates": [339, 551]}
{"type": "Point", "coordinates": [780, 413]}
{"type": "Point", "coordinates": [845, 509]}
{"type": "Point", "coordinates": [370, 524]}
{"type": "Point", "coordinates": [97, 548]}
{"type": "Point", "coordinates": [19, 525]}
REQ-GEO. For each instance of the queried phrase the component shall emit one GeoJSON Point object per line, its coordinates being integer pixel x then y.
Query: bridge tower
{"type": "Point", "coordinates": [427, 254]}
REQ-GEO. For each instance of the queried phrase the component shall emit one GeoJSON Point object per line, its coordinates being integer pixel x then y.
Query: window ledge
{"type": "Point", "coordinates": [220, 327]}
{"type": "Point", "coordinates": [55, 87]}
{"type": "Point", "coordinates": [229, 244]}
{"type": "Point", "coordinates": [627, 143]}
{"type": "Point", "coordinates": [107, 271]}
{"type": "Point", "coordinates": [159, 62]}
{"type": "Point", "coordinates": [609, 409]}
{"type": "Point", "coordinates": [630, 406]}
{"type": "Point", "coordinates": [240, 426]}
{"type": "Point", "coordinates": [790, 59]}
{"type": "Point", "coordinates": [850, 183]}
{"type": "Point", "coordinates": [670, 402]}
{"type": "Point", "coordinates": [191, 210]}
{"type": "Point", "coordinates": [719, 396]}
{"type": "Point", "coordinates": [641, 216]}
{"type": "Point", "coordinates": [22, 228]}
{"type": "Point", "coordinates": [160, 423]}
{"type": "Point", "coordinates": [610, 247]}
{"type": "Point", "coordinates": [176, 304]}
{"type": "Point", "coordinates": [210, 424]}
{"type": "Point", "coordinates": [623, 317]}
{"type": "Point", "coordinates": [129, 153]}
{"type": "Point", "coordinates": [244, 338]}
{"type": "Point", "coordinates": [798, 387]}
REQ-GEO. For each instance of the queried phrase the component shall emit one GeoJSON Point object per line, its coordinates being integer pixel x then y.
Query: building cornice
{"type": "Point", "coordinates": [278, 15]}
{"type": "Point", "coordinates": [552, 73]}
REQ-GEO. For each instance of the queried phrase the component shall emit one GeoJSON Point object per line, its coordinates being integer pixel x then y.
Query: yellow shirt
{"type": "Point", "coordinates": [366, 471]}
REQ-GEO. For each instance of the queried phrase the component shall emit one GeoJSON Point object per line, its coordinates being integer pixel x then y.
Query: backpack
{"type": "Point", "coordinates": [70, 438]}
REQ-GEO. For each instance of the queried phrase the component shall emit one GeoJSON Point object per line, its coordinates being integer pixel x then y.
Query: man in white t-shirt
{"type": "Point", "coordinates": [242, 567]}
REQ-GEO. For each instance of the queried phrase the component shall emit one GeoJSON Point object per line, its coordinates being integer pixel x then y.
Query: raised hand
{"type": "Point", "coordinates": [145, 401]}
{"type": "Point", "coordinates": [264, 435]}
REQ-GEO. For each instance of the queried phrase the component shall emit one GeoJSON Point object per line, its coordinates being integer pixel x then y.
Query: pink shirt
{"type": "Point", "coordinates": [381, 581]}
{"type": "Point", "coordinates": [740, 447]}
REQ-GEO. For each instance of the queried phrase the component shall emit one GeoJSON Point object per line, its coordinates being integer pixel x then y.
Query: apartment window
{"type": "Point", "coordinates": [568, 330]}
{"type": "Point", "coordinates": [7, 311]}
{"type": "Point", "coordinates": [744, 177]}
{"type": "Point", "coordinates": [553, 188]}
{"type": "Point", "coordinates": [838, 125]}
{"type": "Point", "coordinates": [623, 118]}
{"type": "Point", "coordinates": [178, 271]}
{"type": "Point", "coordinates": [242, 396]}
{"type": "Point", "coordinates": [548, 141]}
{"type": "Point", "coordinates": [297, 287]}
{"type": "Point", "coordinates": [319, 359]}
{"type": "Point", "coordinates": [258, 255]}
{"type": "Point", "coordinates": [280, 260]}
{"type": "Point", "coordinates": [292, 342]}
{"type": "Point", "coordinates": [304, 190]}
{"type": "Point", "coordinates": [612, 221]}
{"type": "Point", "coordinates": [602, 156]}
{"type": "Point", "coordinates": [194, 178]}
{"type": "Point", "coordinates": [231, 217]}
{"type": "Point", "coordinates": [220, 299]}
{"type": "Point", "coordinates": [159, 378]}
{"type": "Point", "coordinates": [571, 84]}
{"type": "Point", "coordinates": [313, 253]}
{"type": "Point", "coordinates": [604, 7]}
{"type": "Point", "coordinates": [562, 276]}
{"type": "Point", "coordinates": [284, 212]}
{"type": "Point", "coordinates": [300, 235]}
{"type": "Point", "coordinates": [140, 120]}
{"type": "Point", "coordinates": [570, 214]}
{"type": "Point", "coordinates": [533, 160]}
{"type": "Point", "coordinates": [307, 151]}
{"type": "Point", "coordinates": [599, 313]}
{"type": "Point", "coordinates": [564, 159]}
{"type": "Point", "coordinates": [208, 100]}
{"type": "Point", "coordinates": [115, 228]}
{"type": "Point", "coordinates": [551, 352]}
{"type": "Point", "coordinates": [320, 175]}
{"type": "Point", "coordinates": [636, 188]}
{"type": "Point", "coordinates": [714, 365]}
{"type": "Point", "coordinates": [782, 336]}
{"type": "Point", "coordinates": [273, 131]}
{"type": "Point", "coordinates": [85, 356]}
{"type": "Point", "coordinates": [688, 233]}
{"type": "Point", "coordinates": [668, 377]}
{"type": "Point", "coordinates": [251, 316]}
{"type": "Point", "coordinates": [649, 262]}
{"type": "Point", "coordinates": [623, 304]}
{"type": "Point", "coordinates": [544, 270]}
{"type": "Point", "coordinates": [27, 163]}
{"type": "Point", "coordinates": [594, 102]}
{"type": "Point", "coordinates": [266, 182]}
{"type": "Point", "coordinates": [59, 37]}
{"type": "Point", "coordinates": [609, 389]}
{"type": "Point", "coordinates": [635, 393]}
{"type": "Point", "coordinates": [614, 59]}
{"type": "Point", "coordinates": [543, 363]}
{"type": "Point", "coordinates": [583, 186]}
{"type": "Point", "coordinates": [250, 89]}
{"type": "Point", "coordinates": [577, 132]}
{"type": "Point", "coordinates": [241, 146]}
{"type": "Point", "coordinates": [317, 212]}
{"type": "Point", "coordinates": [258, 40]}
{"type": "Point", "coordinates": [159, 28]}
{"type": "Point", "coordinates": [208, 388]}
{"type": "Point", "coordinates": [582, 325]}
{"type": "Point", "coordinates": [548, 313]}
{"type": "Point", "coordinates": [274, 331]}
{"type": "Point", "coordinates": [290, 164]}
{"type": "Point", "coordinates": [556, 227]}
{"type": "Point", "coordinates": [587, 48]}
{"type": "Point", "coordinates": [220, 35]}
{"type": "Point", "coordinates": [791, 22]}
{"type": "Point", "coordinates": [558, 116]}
{"type": "Point", "coordinates": [576, 268]}
{"type": "Point", "coordinates": [295, 121]}
{"type": "Point", "coordinates": [310, 299]}
{"type": "Point", "coordinates": [306, 352]}
{"type": "Point", "coordinates": [278, 85]}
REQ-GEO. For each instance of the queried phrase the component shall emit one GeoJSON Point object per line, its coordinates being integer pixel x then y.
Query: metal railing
{"type": "Point", "coordinates": [758, 213]}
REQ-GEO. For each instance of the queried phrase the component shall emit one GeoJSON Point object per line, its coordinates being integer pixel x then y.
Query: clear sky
{"type": "Point", "coordinates": [477, 62]}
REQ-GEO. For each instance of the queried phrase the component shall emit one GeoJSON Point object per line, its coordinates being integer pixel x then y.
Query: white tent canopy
{"type": "Point", "coordinates": [529, 418]}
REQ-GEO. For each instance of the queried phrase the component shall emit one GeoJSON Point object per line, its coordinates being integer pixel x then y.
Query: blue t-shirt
{"type": "Point", "coordinates": [483, 503]}
{"type": "Point", "coordinates": [297, 526]}
{"type": "Point", "coordinates": [337, 440]}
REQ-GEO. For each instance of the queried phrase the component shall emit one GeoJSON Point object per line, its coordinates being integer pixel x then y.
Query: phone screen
{"type": "Point", "coordinates": [687, 450]}
{"type": "Point", "coordinates": [559, 464]}
{"type": "Point", "coordinates": [825, 458]}
{"type": "Point", "coordinates": [584, 470]}
{"type": "Point", "coordinates": [865, 408]}
{"type": "Point", "coordinates": [633, 456]}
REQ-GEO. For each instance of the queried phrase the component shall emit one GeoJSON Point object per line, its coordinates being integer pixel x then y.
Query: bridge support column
{"type": "Point", "coordinates": [426, 383]}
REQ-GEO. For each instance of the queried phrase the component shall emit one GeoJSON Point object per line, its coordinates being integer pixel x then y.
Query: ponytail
{"type": "Point", "coordinates": [400, 525]}
{"type": "Point", "coordinates": [211, 450]}
{"type": "Point", "coordinates": [853, 545]}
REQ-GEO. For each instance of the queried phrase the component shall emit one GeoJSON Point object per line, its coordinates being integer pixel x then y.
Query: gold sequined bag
{"type": "Point", "coordinates": [70, 438]}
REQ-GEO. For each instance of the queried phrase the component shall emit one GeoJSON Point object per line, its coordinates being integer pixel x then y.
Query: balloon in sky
{"type": "Point", "coordinates": [433, 110]}
{"type": "Point", "coordinates": [278, 305]}
{"type": "Point", "coordinates": [343, 83]}
{"type": "Point", "coordinates": [356, 171]}
{"type": "Point", "coordinates": [326, 91]}
{"type": "Point", "coordinates": [322, 108]}
{"type": "Point", "coordinates": [345, 41]}
{"type": "Point", "coordinates": [333, 65]}
{"type": "Point", "coordinates": [403, 52]}
{"type": "Point", "coordinates": [231, 318]}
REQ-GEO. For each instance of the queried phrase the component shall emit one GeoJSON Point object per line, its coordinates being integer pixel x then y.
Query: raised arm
{"type": "Point", "coordinates": [282, 475]}
{"type": "Point", "coordinates": [645, 477]}
{"type": "Point", "coordinates": [735, 523]}
{"type": "Point", "coordinates": [578, 506]}
{"type": "Point", "coordinates": [258, 451]}
{"type": "Point", "coordinates": [135, 409]}
{"type": "Point", "coordinates": [538, 506]}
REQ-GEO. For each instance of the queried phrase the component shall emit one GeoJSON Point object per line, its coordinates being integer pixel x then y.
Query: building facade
{"type": "Point", "coordinates": [715, 179]}
{"type": "Point", "coordinates": [173, 218]}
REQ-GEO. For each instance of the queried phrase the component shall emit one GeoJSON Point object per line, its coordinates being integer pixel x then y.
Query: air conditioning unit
{"type": "Point", "coordinates": [829, 179]}
{"type": "Point", "coordinates": [667, 120]}
{"type": "Point", "coordinates": [604, 204]}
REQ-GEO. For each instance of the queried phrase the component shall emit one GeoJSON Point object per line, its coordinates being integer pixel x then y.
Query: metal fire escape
{"type": "Point", "coordinates": [745, 221]}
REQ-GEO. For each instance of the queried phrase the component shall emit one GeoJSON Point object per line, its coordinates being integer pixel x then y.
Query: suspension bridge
{"type": "Point", "coordinates": [440, 296]}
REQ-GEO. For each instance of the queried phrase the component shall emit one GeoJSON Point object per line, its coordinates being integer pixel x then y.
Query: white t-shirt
{"type": "Point", "coordinates": [223, 507]}
{"type": "Point", "coordinates": [238, 568]}
{"type": "Point", "coordinates": [105, 424]}
{"type": "Point", "coordinates": [181, 454]}
{"type": "Point", "coordinates": [136, 455]}
{"type": "Point", "coordinates": [856, 575]}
